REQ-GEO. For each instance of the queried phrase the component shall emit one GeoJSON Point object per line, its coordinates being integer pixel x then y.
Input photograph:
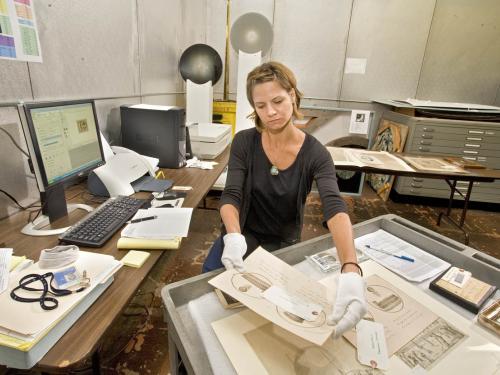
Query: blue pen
{"type": "Point", "coordinates": [404, 257]}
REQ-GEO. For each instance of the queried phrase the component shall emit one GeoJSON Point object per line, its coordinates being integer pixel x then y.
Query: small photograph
{"type": "Point", "coordinates": [83, 126]}
{"type": "Point", "coordinates": [360, 117]}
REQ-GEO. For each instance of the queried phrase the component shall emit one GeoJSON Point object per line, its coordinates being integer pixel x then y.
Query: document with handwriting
{"type": "Point", "coordinates": [281, 294]}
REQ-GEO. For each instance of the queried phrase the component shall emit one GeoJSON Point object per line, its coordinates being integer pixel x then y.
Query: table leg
{"type": "Point", "coordinates": [447, 214]}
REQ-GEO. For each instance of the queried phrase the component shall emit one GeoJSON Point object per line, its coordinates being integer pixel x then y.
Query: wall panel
{"type": "Point", "coordinates": [15, 177]}
{"type": "Point", "coordinates": [462, 59]}
{"type": "Point", "coordinates": [14, 81]}
{"type": "Point", "coordinates": [108, 116]}
{"type": "Point", "coordinates": [310, 37]}
{"type": "Point", "coordinates": [89, 49]}
{"type": "Point", "coordinates": [160, 43]}
{"type": "Point", "coordinates": [391, 35]}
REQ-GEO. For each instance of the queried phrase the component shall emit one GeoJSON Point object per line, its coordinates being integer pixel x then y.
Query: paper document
{"type": "Point", "coordinates": [5, 255]}
{"type": "Point", "coordinates": [433, 164]}
{"type": "Point", "coordinates": [430, 103]}
{"type": "Point", "coordinates": [27, 320]}
{"type": "Point", "coordinates": [359, 122]}
{"type": "Point", "coordinates": [168, 224]}
{"type": "Point", "coordinates": [363, 158]}
{"type": "Point", "coordinates": [425, 265]}
{"type": "Point", "coordinates": [403, 318]}
{"type": "Point", "coordinates": [286, 285]}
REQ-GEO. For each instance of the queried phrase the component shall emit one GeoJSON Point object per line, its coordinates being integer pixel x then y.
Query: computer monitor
{"type": "Point", "coordinates": [64, 143]}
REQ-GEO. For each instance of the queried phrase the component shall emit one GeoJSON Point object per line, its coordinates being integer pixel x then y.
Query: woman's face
{"type": "Point", "coordinates": [273, 105]}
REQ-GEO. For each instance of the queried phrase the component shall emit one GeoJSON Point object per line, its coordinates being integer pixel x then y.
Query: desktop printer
{"type": "Point", "coordinates": [209, 140]}
{"type": "Point", "coordinates": [155, 130]}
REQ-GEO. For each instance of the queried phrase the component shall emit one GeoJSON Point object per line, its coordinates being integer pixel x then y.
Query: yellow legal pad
{"type": "Point", "coordinates": [149, 244]}
{"type": "Point", "coordinates": [135, 258]}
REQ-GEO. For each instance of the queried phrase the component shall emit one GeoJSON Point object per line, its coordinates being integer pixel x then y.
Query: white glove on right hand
{"type": "Point", "coordinates": [350, 303]}
{"type": "Point", "coordinates": [235, 247]}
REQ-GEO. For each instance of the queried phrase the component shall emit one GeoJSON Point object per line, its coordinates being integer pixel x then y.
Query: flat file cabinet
{"type": "Point", "coordinates": [473, 140]}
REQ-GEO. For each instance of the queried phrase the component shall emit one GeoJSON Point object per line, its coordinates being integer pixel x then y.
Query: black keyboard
{"type": "Point", "coordinates": [100, 225]}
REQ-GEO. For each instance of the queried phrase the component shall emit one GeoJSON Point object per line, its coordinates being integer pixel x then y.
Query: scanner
{"type": "Point", "coordinates": [125, 173]}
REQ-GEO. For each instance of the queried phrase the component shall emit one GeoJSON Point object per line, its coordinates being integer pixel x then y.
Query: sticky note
{"type": "Point", "coordinates": [135, 258]}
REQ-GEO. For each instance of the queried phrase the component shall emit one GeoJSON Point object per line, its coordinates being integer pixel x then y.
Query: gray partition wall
{"type": "Point", "coordinates": [126, 51]}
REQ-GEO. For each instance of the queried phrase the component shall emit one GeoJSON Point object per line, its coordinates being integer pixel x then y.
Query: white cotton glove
{"type": "Point", "coordinates": [350, 304]}
{"type": "Point", "coordinates": [235, 247]}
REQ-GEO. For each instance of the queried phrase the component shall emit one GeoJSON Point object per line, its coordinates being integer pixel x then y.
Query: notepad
{"type": "Point", "coordinates": [135, 258]}
{"type": "Point", "coordinates": [143, 243]}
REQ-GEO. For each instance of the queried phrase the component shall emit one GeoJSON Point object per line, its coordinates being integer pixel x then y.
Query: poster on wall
{"type": "Point", "coordinates": [19, 38]}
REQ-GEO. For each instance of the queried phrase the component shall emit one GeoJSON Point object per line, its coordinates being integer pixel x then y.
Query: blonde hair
{"type": "Point", "coordinates": [268, 72]}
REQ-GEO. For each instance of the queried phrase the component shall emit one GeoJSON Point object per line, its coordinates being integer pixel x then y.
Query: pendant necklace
{"type": "Point", "coordinates": [274, 170]}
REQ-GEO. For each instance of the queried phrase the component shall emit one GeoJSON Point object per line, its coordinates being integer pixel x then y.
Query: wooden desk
{"type": "Point", "coordinates": [451, 178]}
{"type": "Point", "coordinates": [82, 340]}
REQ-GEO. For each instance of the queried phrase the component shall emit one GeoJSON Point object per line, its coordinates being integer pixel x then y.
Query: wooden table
{"type": "Point", "coordinates": [451, 178]}
{"type": "Point", "coordinates": [82, 340]}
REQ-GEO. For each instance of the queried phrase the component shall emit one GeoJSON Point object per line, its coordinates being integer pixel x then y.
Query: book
{"type": "Point", "coordinates": [460, 287]}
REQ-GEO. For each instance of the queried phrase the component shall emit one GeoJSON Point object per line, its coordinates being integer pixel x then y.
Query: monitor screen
{"type": "Point", "coordinates": [65, 138]}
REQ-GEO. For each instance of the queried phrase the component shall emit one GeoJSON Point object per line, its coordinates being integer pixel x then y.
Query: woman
{"type": "Point", "coordinates": [270, 174]}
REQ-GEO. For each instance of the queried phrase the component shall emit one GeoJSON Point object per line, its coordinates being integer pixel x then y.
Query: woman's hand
{"type": "Point", "coordinates": [235, 247]}
{"type": "Point", "coordinates": [350, 303]}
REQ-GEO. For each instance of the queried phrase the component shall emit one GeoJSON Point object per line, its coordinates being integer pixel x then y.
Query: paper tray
{"type": "Point", "coordinates": [14, 358]}
{"type": "Point", "coordinates": [185, 341]}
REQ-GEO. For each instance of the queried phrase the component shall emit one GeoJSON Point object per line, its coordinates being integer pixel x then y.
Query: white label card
{"type": "Point", "coordinates": [457, 276]}
{"type": "Point", "coordinates": [304, 309]}
{"type": "Point", "coordinates": [371, 344]}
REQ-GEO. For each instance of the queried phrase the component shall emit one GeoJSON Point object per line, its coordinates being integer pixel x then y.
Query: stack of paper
{"type": "Point", "coordinates": [23, 325]}
{"type": "Point", "coordinates": [363, 158]}
{"type": "Point", "coordinates": [163, 232]}
{"type": "Point", "coordinates": [424, 264]}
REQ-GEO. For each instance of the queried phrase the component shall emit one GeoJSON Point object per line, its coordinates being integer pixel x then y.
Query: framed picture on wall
{"type": "Point", "coordinates": [391, 137]}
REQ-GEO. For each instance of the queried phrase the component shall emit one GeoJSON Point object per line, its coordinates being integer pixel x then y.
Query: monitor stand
{"type": "Point", "coordinates": [54, 206]}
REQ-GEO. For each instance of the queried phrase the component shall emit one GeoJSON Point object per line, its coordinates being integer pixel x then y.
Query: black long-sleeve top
{"type": "Point", "coordinates": [250, 187]}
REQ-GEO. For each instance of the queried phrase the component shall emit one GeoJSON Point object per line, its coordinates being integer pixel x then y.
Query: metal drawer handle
{"type": "Point", "coordinates": [427, 136]}
{"type": "Point", "coordinates": [490, 133]}
{"type": "Point", "coordinates": [418, 179]}
{"type": "Point", "coordinates": [470, 152]}
{"type": "Point", "coordinates": [428, 130]}
{"type": "Point", "coordinates": [425, 143]}
{"type": "Point", "coordinates": [416, 185]}
{"type": "Point", "coordinates": [469, 158]}
{"type": "Point", "coordinates": [471, 145]}
{"type": "Point", "coordinates": [474, 139]}
{"type": "Point", "coordinates": [476, 132]}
